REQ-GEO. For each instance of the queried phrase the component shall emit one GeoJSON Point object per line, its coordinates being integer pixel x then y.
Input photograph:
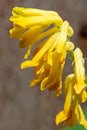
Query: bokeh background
{"type": "Point", "coordinates": [22, 107]}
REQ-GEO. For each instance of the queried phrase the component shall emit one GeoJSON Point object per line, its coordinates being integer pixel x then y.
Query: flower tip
{"type": "Point", "coordinates": [22, 66]}
{"type": "Point", "coordinates": [25, 56]}
{"type": "Point", "coordinates": [25, 64]}
{"type": "Point", "coordinates": [41, 89]}
{"type": "Point", "coordinates": [56, 121]}
{"type": "Point", "coordinates": [17, 9]}
{"type": "Point", "coordinates": [31, 84]}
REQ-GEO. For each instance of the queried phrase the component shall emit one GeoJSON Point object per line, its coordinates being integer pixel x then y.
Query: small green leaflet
{"type": "Point", "coordinates": [86, 79]}
{"type": "Point", "coordinates": [70, 55]}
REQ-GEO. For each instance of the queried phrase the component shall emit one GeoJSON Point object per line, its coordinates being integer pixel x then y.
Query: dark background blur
{"type": "Point", "coordinates": [22, 107]}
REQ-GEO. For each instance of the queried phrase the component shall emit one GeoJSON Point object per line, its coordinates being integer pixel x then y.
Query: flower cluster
{"type": "Point", "coordinates": [48, 36]}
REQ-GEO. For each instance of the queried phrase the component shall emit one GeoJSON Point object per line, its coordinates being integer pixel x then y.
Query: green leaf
{"type": "Point", "coordinates": [78, 127]}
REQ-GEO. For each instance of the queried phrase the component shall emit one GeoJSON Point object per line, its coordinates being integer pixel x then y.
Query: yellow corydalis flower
{"type": "Point", "coordinates": [79, 71]}
{"type": "Point", "coordinates": [26, 17]}
{"type": "Point", "coordinates": [52, 35]}
{"type": "Point", "coordinates": [37, 22]}
{"type": "Point", "coordinates": [47, 37]}
{"type": "Point", "coordinates": [52, 53]}
{"type": "Point", "coordinates": [75, 93]}
{"type": "Point", "coordinates": [72, 113]}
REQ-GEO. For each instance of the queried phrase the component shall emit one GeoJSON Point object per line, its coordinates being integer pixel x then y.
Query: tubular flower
{"type": "Point", "coordinates": [65, 114]}
{"type": "Point", "coordinates": [55, 41]}
{"type": "Point", "coordinates": [52, 34]}
{"type": "Point", "coordinates": [79, 71]}
{"type": "Point", "coordinates": [53, 48]}
{"type": "Point", "coordinates": [27, 17]}
{"type": "Point", "coordinates": [47, 37]}
{"type": "Point", "coordinates": [72, 113]}
{"type": "Point", "coordinates": [75, 93]}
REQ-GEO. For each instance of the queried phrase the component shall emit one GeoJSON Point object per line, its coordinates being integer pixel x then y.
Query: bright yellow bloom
{"type": "Point", "coordinates": [79, 71]}
{"type": "Point", "coordinates": [50, 75]}
{"type": "Point", "coordinates": [32, 25]}
{"type": "Point", "coordinates": [51, 53]}
{"type": "Point", "coordinates": [75, 92]}
{"type": "Point", "coordinates": [47, 28]}
{"type": "Point", "coordinates": [55, 41]}
{"type": "Point", "coordinates": [47, 37]}
{"type": "Point", "coordinates": [65, 114]}
{"type": "Point", "coordinates": [29, 23]}
{"type": "Point", "coordinates": [52, 34]}
{"type": "Point", "coordinates": [27, 17]}
{"type": "Point", "coordinates": [72, 113]}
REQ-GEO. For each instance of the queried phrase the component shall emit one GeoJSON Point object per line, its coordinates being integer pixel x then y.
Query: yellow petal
{"type": "Point", "coordinates": [70, 31]}
{"type": "Point", "coordinates": [68, 87]}
{"type": "Point", "coordinates": [16, 31]}
{"type": "Point", "coordinates": [29, 16]}
{"type": "Point", "coordinates": [79, 71]}
{"type": "Point", "coordinates": [74, 114]}
{"type": "Point", "coordinates": [30, 35]}
{"type": "Point", "coordinates": [55, 72]}
{"type": "Point", "coordinates": [35, 20]}
{"type": "Point", "coordinates": [35, 61]}
{"type": "Point", "coordinates": [28, 52]}
{"type": "Point", "coordinates": [62, 38]}
{"type": "Point", "coordinates": [82, 97]}
{"type": "Point", "coordinates": [26, 12]}
{"type": "Point", "coordinates": [37, 79]}
{"type": "Point", "coordinates": [41, 71]}
{"type": "Point", "coordinates": [69, 46]}
{"type": "Point", "coordinates": [65, 114]}
{"type": "Point", "coordinates": [60, 117]}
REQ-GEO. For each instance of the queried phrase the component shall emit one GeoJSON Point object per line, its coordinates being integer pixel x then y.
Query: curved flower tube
{"type": "Point", "coordinates": [79, 71]}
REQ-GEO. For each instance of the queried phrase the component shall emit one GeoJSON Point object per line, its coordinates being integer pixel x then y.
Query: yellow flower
{"type": "Point", "coordinates": [47, 37]}
{"type": "Point", "coordinates": [52, 53]}
{"type": "Point", "coordinates": [47, 28]}
{"type": "Point", "coordinates": [29, 23]}
{"type": "Point", "coordinates": [32, 25]}
{"type": "Point", "coordinates": [76, 115]}
{"type": "Point", "coordinates": [54, 80]}
{"type": "Point", "coordinates": [39, 55]}
{"type": "Point", "coordinates": [58, 41]}
{"type": "Point", "coordinates": [65, 114]}
{"type": "Point", "coordinates": [72, 113]}
{"type": "Point", "coordinates": [27, 17]}
{"type": "Point", "coordinates": [79, 71]}
{"type": "Point", "coordinates": [75, 92]}
{"type": "Point", "coordinates": [82, 97]}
